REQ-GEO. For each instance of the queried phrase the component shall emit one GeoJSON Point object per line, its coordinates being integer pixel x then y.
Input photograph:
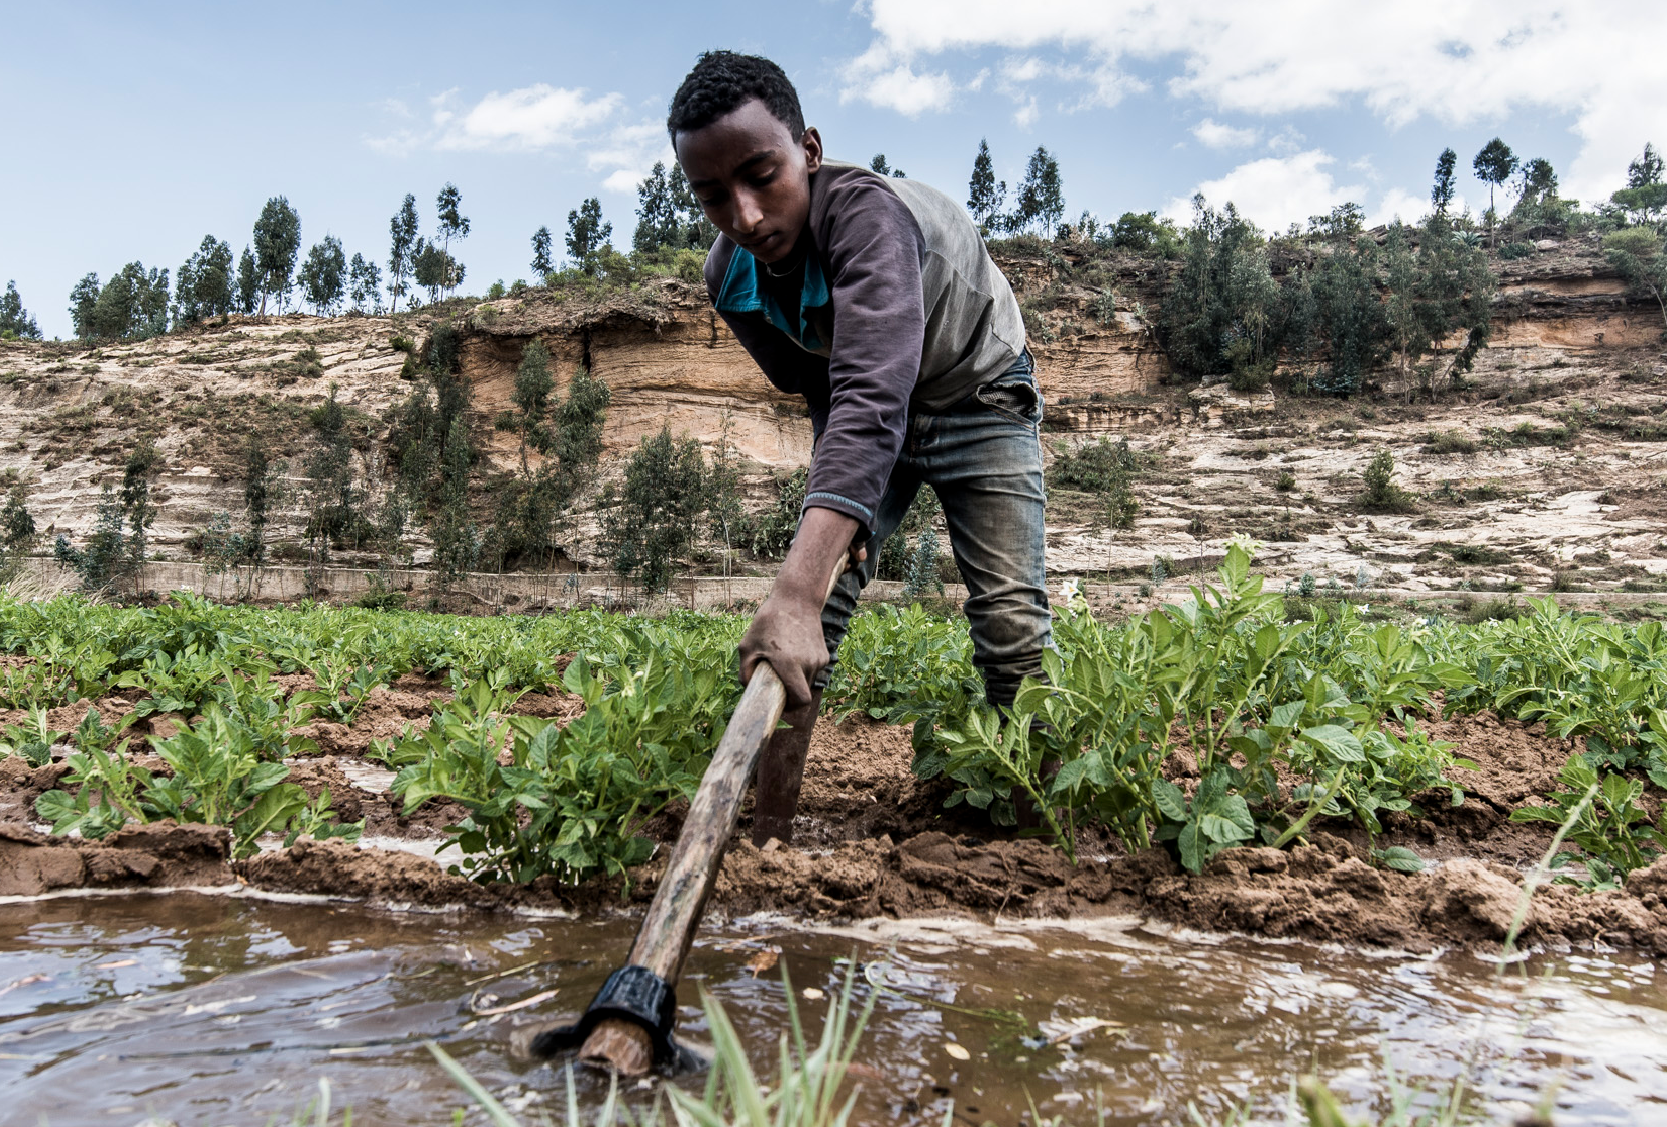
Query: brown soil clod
{"type": "Point", "coordinates": [160, 855]}
{"type": "Point", "coordinates": [21, 784]}
{"type": "Point", "coordinates": [314, 775]}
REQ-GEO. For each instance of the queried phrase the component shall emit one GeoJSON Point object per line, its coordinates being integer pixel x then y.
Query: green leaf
{"type": "Point", "coordinates": [1284, 717]}
{"type": "Point", "coordinates": [265, 776]}
{"type": "Point", "coordinates": [59, 808]}
{"type": "Point", "coordinates": [270, 813]}
{"type": "Point", "coordinates": [1236, 810]}
{"type": "Point", "coordinates": [1192, 852]}
{"type": "Point", "coordinates": [1399, 858]}
{"type": "Point", "coordinates": [1172, 803]}
{"type": "Point", "coordinates": [1071, 775]}
{"type": "Point", "coordinates": [1618, 793]}
{"type": "Point", "coordinates": [1221, 830]}
{"type": "Point", "coordinates": [1338, 742]}
{"type": "Point", "coordinates": [1539, 814]}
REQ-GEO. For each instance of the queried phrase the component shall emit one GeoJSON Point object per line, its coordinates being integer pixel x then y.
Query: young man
{"type": "Point", "coordinates": [876, 300]}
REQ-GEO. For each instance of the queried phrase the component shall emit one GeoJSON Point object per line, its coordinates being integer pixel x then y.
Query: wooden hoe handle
{"type": "Point", "coordinates": [668, 929]}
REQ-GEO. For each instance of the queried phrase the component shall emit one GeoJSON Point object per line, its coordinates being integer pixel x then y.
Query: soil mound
{"type": "Point", "coordinates": [335, 868]}
{"type": "Point", "coordinates": [160, 855]}
{"type": "Point", "coordinates": [21, 784]}
{"type": "Point", "coordinates": [859, 785]}
{"type": "Point", "coordinates": [1321, 892]}
{"type": "Point", "coordinates": [316, 775]}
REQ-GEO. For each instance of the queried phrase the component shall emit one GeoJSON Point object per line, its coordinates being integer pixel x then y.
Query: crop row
{"type": "Point", "coordinates": [1280, 721]}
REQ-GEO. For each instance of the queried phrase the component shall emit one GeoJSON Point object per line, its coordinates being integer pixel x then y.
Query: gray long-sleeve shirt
{"type": "Point", "coordinates": [901, 309]}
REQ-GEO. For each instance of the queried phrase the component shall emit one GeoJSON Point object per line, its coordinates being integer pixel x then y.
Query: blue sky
{"type": "Point", "coordinates": [137, 129]}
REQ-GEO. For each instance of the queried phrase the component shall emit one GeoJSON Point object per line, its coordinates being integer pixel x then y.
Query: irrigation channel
{"type": "Point", "coordinates": [224, 1009]}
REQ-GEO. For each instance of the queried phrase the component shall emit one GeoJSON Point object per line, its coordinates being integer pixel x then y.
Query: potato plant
{"type": "Point", "coordinates": [1223, 677]}
{"type": "Point", "coordinates": [1272, 723]}
{"type": "Point", "coordinates": [571, 799]}
{"type": "Point", "coordinates": [217, 778]}
{"type": "Point", "coordinates": [1612, 830]}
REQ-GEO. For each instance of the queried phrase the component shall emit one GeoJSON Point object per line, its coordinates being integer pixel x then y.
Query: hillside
{"type": "Point", "coordinates": [1545, 463]}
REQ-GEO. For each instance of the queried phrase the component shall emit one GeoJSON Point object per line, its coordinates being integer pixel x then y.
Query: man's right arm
{"type": "Point", "coordinates": [787, 630]}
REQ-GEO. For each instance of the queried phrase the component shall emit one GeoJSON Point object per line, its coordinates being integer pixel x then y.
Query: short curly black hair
{"type": "Point", "coordinates": [722, 81]}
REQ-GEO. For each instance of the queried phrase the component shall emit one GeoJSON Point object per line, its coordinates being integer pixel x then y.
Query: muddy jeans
{"type": "Point", "coordinates": [983, 458]}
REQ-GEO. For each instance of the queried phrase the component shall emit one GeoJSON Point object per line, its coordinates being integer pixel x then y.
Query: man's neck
{"type": "Point", "coordinates": [794, 259]}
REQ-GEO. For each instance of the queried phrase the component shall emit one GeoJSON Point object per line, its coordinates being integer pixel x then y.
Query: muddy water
{"type": "Point", "coordinates": [228, 1010]}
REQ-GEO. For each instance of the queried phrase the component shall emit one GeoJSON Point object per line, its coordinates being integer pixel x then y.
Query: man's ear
{"type": "Point", "coordinates": [812, 142]}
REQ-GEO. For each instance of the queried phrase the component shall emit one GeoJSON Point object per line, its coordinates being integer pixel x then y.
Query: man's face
{"type": "Point", "coordinates": [752, 176]}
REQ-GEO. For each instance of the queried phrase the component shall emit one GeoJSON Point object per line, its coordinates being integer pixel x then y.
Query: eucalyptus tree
{"type": "Point", "coordinates": [402, 230]}
{"type": "Point", "coordinates": [364, 285]}
{"type": "Point", "coordinates": [985, 194]}
{"type": "Point", "coordinates": [248, 282]}
{"type": "Point", "coordinates": [453, 225]}
{"type": "Point", "coordinates": [1441, 192]}
{"type": "Point", "coordinates": [14, 319]}
{"type": "Point", "coordinates": [206, 286]}
{"type": "Point", "coordinates": [277, 243]}
{"type": "Point", "coordinates": [1042, 195]}
{"type": "Point", "coordinates": [541, 263]}
{"type": "Point", "coordinates": [323, 276]}
{"type": "Point", "coordinates": [1493, 166]}
{"type": "Point", "coordinates": [587, 234]}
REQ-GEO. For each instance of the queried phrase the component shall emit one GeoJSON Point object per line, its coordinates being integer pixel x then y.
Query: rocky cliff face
{"type": "Point", "coordinates": [1569, 351]}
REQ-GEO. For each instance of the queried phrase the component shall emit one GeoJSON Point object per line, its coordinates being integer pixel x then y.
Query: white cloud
{"type": "Point", "coordinates": [640, 143]}
{"type": "Point", "coordinates": [1218, 136]}
{"type": "Point", "coordinates": [1398, 203]}
{"type": "Point", "coordinates": [531, 118]}
{"type": "Point", "coordinates": [1286, 141]}
{"type": "Point", "coordinates": [396, 144]}
{"type": "Point", "coordinates": [880, 80]}
{"type": "Point", "coordinates": [1459, 62]}
{"type": "Point", "coordinates": [537, 118]}
{"type": "Point", "coordinates": [625, 181]}
{"type": "Point", "coordinates": [1273, 192]}
{"type": "Point", "coordinates": [1024, 69]}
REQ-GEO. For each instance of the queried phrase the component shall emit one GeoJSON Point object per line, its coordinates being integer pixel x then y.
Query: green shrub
{"type": "Point", "coordinates": [1100, 466]}
{"type": "Point", "coordinates": [380, 597]}
{"type": "Point", "coordinates": [1450, 442]}
{"type": "Point", "coordinates": [773, 529]}
{"type": "Point", "coordinates": [1475, 554]}
{"type": "Point", "coordinates": [1382, 495]}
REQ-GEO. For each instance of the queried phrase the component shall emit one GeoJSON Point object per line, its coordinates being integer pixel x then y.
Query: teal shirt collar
{"type": "Point", "coordinates": [742, 292]}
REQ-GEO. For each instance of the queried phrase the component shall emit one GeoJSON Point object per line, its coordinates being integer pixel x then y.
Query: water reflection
{"type": "Point", "coordinates": [228, 1010]}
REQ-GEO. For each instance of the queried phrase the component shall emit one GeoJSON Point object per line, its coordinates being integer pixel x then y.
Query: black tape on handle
{"type": "Point", "coordinates": [635, 994]}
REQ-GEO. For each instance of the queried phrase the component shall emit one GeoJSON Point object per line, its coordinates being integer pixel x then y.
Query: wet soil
{"type": "Point", "coordinates": [873, 840]}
